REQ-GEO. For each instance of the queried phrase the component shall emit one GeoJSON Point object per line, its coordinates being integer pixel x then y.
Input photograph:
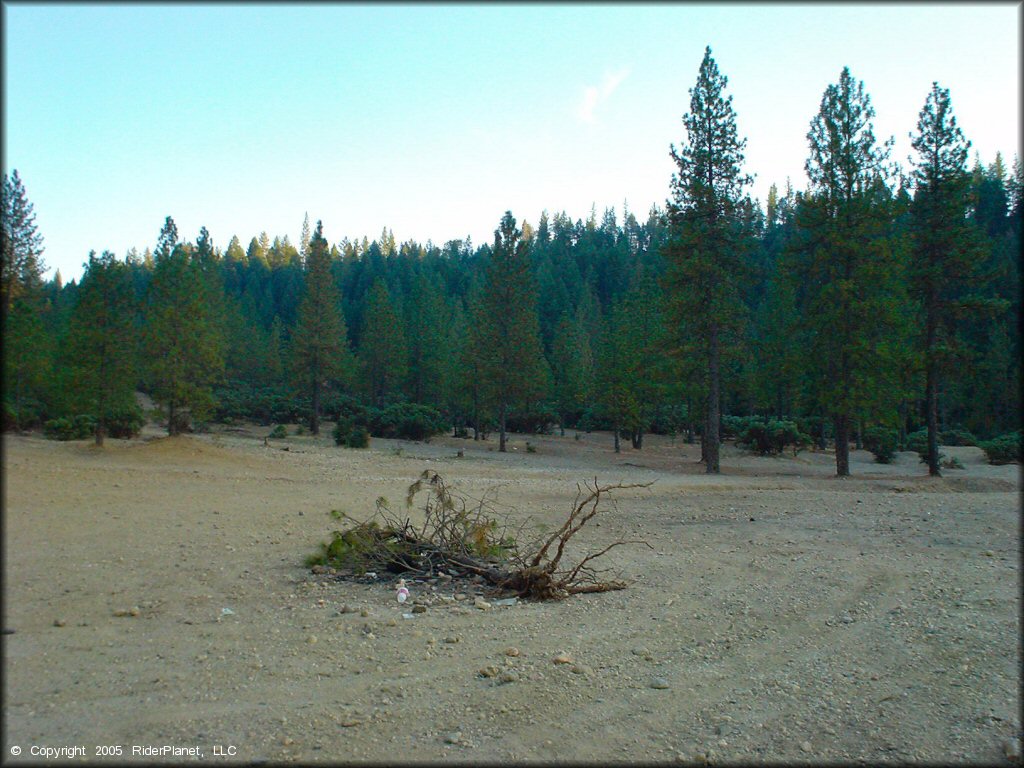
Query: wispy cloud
{"type": "Point", "coordinates": [596, 95]}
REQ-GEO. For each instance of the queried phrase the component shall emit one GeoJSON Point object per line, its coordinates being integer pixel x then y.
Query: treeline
{"type": "Point", "coordinates": [875, 302]}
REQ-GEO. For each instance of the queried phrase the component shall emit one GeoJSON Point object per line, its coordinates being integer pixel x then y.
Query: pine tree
{"type": "Point", "coordinates": [847, 267]}
{"type": "Point", "coordinates": [320, 348]}
{"type": "Point", "coordinates": [304, 239]}
{"type": "Point", "coordinates": [572, 369]}
{"type": "Point", "coordinates": [22, 246]}
{"type": "Point", "coordinates": [101, 341]}
{"type": "Point", "coordinates": [427, 341]}
{"type": "Point", "coordinates": [508, 327]}
{"type": "Point", "coordinates": [183, 344]}
{"type": "Point", "coordinates": [706, 252]}
{"type": "Point", "coordinates": [947, 251]}
{"type": "Point", "coordinates": [383, 353]}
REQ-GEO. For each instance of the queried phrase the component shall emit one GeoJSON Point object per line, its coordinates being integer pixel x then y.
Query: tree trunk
{"type": "Point", "coordinates": [501, 439]}
{"type": "Point", "coordinates": [314, 417]}
{"type": "Point", "coordinates": [931, 394]}
{"type": "Point", "coordinates": [616, 430]}
{"type": "Point", "coordinates": [842, 425]}
{"type": "Point", "coordinates": [859, 436]}
{"type": "Point", "coordinates": [638, 439]}
{"type": "Point", "coordinates": [712, 467]}
{"type": "Point", "coordinates": [172, 421]}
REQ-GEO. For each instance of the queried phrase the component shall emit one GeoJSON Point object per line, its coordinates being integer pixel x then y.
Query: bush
{"type": "Point", "coordinates": [883, 442]}
{"type": "Point", "coordinates": [537, 420]}
{"type": "Point", "coordinates": [736, 426]}
{"type": "Point", "coordinates": [772, 436]}
{"type": "Point", "coordinates": [359, 437]}
{"type": "Point", "coordinates": [407, 421]}
{"type": "Point", "coordinates": [957, 437]}
{"type": "Point", "coordinates": [78, 427]}
{"type": "Point", "coordinates": [593, 419]}
{"type": "Point", "coordinates": [1005, 449]}
{"type": "Point", "coordinates": [278, 433]}
{"type": "Point", "coordinates": [125, 421]}
{"type": "Point", "coordinates": [917, 442]}
{"type": "Point", "coordinates": [952, 463]}
{"type": "Point", "coordinates": [669, 420]}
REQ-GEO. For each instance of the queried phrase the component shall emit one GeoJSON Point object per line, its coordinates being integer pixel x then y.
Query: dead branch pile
{"type": "Point", "coordinates": [472, 538]}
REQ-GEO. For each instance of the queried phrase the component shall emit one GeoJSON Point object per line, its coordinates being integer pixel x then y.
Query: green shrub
{"type": "Point", "coordinates": [883, 442]}
{"type": "Point", "coordinates": [359, 437]}
{"type": "Point", "coordinates": [772, 436]}
{"type": "Point", "coordinates": [407, 421]}
{"type": "Point", "coordinates": [669, 420]}
{"type": "Point", "coordinates": [125, 421]}
{"type": "Point", "coordinates": [917, 442]}
{"type": "Point", "coordinates": [957, 437]}
{"type": "Point", "coordinates": [278, 433]}
{"type": "Point", "coordinates": [537, 420]}
{"type": "Point", "coordinates": [1005, 449]}
{"type": "Point", "coordinates": [952, 463]}
{"type": "Point", "coordinates": [77, 427]}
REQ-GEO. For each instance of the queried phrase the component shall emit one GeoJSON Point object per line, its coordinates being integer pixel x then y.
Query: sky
{"type": "Point", "coordinates": [433, 120]}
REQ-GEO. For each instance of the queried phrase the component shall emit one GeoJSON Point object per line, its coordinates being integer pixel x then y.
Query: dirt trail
{"type": "Point", "coordinates": [784, 614]}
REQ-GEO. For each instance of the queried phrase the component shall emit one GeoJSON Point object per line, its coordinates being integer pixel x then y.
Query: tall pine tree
{"type": "Point", "coordinates": [707, 248]}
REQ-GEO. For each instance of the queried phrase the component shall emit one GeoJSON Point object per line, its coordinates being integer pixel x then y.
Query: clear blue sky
{"type": "Point", "coordinates": [432, 120]}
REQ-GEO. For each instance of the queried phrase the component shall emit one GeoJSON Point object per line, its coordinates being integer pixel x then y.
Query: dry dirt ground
{"type": "Point", "coordinates": [782, 614]}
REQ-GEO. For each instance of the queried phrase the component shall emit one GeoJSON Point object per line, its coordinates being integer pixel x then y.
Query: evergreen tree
{"type": "Point", "coordinates": [427, 341]}
{"type": "Point", "coordinates": [572, 369]}
{"type": "Point", "coordinates": [383, 353]}
{"type": "Point", "coordinates": [847, 269]}
{"type": "Point", "coordinates": [304, 239]}
{"type": "Point", "coordinates": [182, 341]}
{"type": "Point", "coordinates": [101, 342]}
{"type": "Point", "coordinates": [947, 250]}
{"type": "Point", "coordinates": [320, 348]}
{"type": "Point", "coordinates": [508, 327]}
{"type": "Point", "coordinates": [22, 246]}
{"type": "Point", "coordinates": [706, 252]}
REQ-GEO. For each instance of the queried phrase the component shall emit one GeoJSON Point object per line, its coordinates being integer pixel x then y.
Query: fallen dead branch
{"type": "Point", "coordinates": [462, 536]}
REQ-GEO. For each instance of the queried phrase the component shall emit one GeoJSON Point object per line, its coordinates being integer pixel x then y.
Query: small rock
{"type": "Point", "coordinates": [419, 609]}
{"type": "Point", "coordinates": [364, 612]}
{"type": "Point", "coordinates": [509, 676]}
{"type": "Point", "coordinates": [451, 639]}
{"type": "Point", "coordinates": [1011, 748]}
{"type": "Point", "coordinates": [134, 611]}
{"type": "Point", "coordinates": [311, 639]}
{"type": "Point", "coordinates": [805, 746]}
{"type": "Point", "coordinates": [482, 604]}
{"type": "Point", "coordinates": [490, 671]}
{"type": "Point", "coordinates": [460, 596]}
{"type": "Point", "coordinates": [846, 619]}
{"type": "Point", "coordinates": [350, 723]}
{"type": "Point", "coordinates": [989, 553]}
{"type": "Point", "coordinates": [453, 738]}
{"type": "Point", "coordinates": [562, 658]}
{"type": "Point", "coordinates": [346, 608]}
{"type": "Point", "coordinates": [59, 622]}
{"type": "Point", "coordinates": [642, 653]}
{"type": "Point", "coordinates": [287, 741]}
{"type": "Point", "coordinates": [659, 682]}
{"type": "Point", "coordinates": [513, 651]}
{"type": "Point", "coordinates": [580, 669]}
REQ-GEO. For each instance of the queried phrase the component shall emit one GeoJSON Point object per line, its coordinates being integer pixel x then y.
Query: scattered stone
{"type": "Point", "coordinates": [580, 669]}
{"type": "Point", "coordinates": [482, 604]}
{"type": "Point", "coordinates": [805, 746]}
{"type": "Point", "coordinates": [562, 658]}
{"type": "Point", "coordinates": [846, 618]}
{"type": "Point", "coordinates": [419, 609]}
{"type": "Point", "coordinates": [364, 612]}
{"type": "Point", "coordinates": [460, 596]}
{"type": "Point", "coordinates": [312, 640]}
{"type": "Point", "coordinates": [490, 671]}
{"type": "Point", "coordinates": [643, 653]}
{"type": "Point", "coordinates": [989, 553]}
{"type": "Point", "coordinates": [1011, 748]}
{"type": "Point", "coordinates": [134, 611]}
{"type": "Point", "coordinates": [453, 738]}
{"type": "Point", "coordinates": [513, 651]}
{"type": "Point", "coordinates": [59, 622]}
{"type": "Point", "coordinates": [350, 723]}
{"type": "Point", "coordinates": [659, 682]}
{"type": "Point", "coordinates": [509, 676]}
{"type": "Point", "coordinates": [451, 639]}
{"type": "Point", "coordinates": [506, 601]}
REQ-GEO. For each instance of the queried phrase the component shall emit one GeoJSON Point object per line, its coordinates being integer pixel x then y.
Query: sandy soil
{"type": "Point", "coordinates": [792, 616]}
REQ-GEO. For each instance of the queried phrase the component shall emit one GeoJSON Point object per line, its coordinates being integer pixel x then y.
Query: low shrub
{"type": "Point", "coordinates": [126, 421]}
{"type": "Point", "coordinates": [883, 442]}
{"type": "Point", "coordinates": [538, 420]}
{"type": "Point", "coordinates": [77, 427]}
{"type": "Point", "coordinates": [917, 442]}
{"type": "Point", "coordinates": [278, 433]}
{"type": "Point", "coordinates": [772, 436]}
{"type": "Point", "coordinates": [359, 437]}
{"type": "Point", "coordinates": [957, 437]}
{"type": "Point", "coordinates": [1005, 449]}
{"type": "Point", "coordinates": [406, 421]}
{"type": "Point", "coordinates": [952, 463]}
